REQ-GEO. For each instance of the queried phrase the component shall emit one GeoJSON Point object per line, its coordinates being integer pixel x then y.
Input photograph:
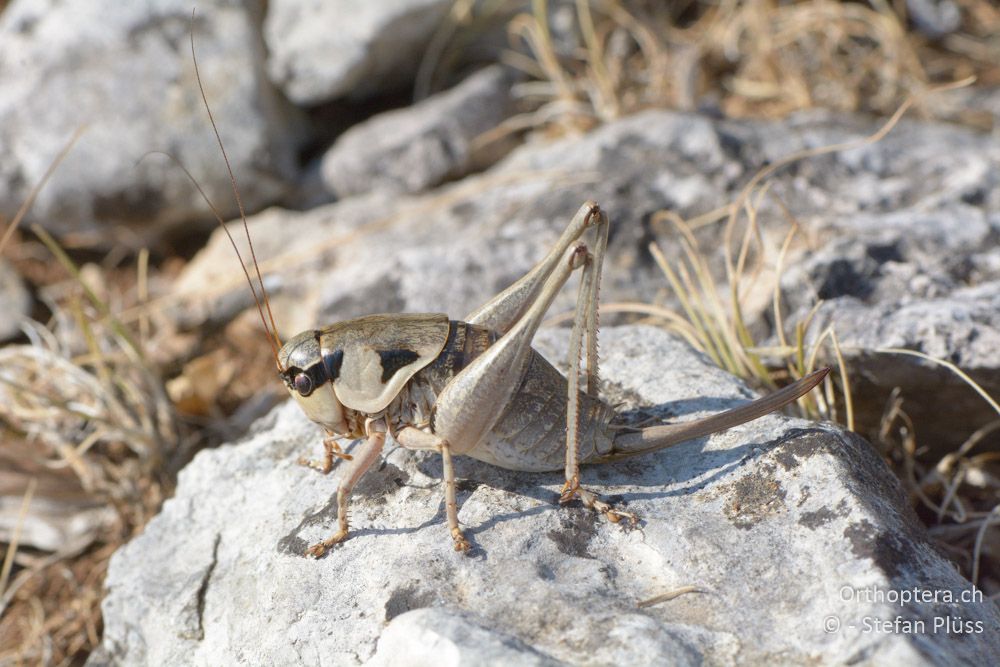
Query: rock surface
{"type": "Point", "coordinates": [124, 71]}
{"type": "Point", "coordinates": [790, 530]}
{"type": "Point", "coordinates": [320, 51]}
{"type": "Point", "coordinates": [452, 248]}
{"type": "Point", "coordinates": [900, 238]}
{"type": "Point", "coordinates": [961, 327]}
{"type": "Point", "coordinates": [418, 147]}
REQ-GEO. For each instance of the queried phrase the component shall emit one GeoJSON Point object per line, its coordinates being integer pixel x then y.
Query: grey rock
{"type": "Point", "coordinates": [961, 328]}
{"type": "Point", "coordinates": [924, 278]}
{"type": "Point", "coordinates": [918, 167]}
{"type": "Point", "coordinates": [798, 519]}
{"type": "Point", "coordinates": [295, 249]}
{"type": "Point", "coordinates": [901, 242]}
{"type": "Point", "coordinates": [15, 301]}
{"type": "Point", "coordinates": [382, 253]}
{"type": "Point", "coordinates": [347, 48]}
{"type": "Point", "coordinates": [439, 636]}
{"type": "Point", "coordinates": [415, 148]}
{"type": "Point", "coordinates": [452, 248]}
{"type": "Point", "coordinates": [125, 72]}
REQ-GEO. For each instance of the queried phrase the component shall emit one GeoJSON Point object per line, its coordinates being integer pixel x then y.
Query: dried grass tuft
{"type": "Point", "coordinates": [86, 421]}
{"type": "Point", "coordinates": [591, 61]}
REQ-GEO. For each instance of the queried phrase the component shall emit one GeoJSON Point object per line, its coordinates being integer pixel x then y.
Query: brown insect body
{"type": "Point", "coordinates": [366, 357]}
{"type": "Point", "coordinates": [474, 387]}
{"type": "Point", "coordinates": [392, 367]}
{"type": "Point", "coordinates": [477, 388]}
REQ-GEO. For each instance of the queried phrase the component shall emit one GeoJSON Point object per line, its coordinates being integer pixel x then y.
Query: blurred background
{"type": "Point", "coordinates": [791, 184]}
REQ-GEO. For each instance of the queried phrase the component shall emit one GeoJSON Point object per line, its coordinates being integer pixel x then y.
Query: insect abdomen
{"type": "Point", "coordinates": [531, 433]}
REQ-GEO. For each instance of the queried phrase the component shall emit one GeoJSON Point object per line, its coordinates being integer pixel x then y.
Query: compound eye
{"type": "Point", "coordinates": [303, 384]}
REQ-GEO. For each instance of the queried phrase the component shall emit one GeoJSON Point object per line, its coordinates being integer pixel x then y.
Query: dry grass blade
{"type": "Point", "coordinates": [459, 19]}
{"type": "Point", "coordinates": [714, 319]}
{"type": "Point", "coordinates": [603, 96]}
{"type": "Point", "coordinates": [119, 329]}
{"type": "Point", "coordinates": [991, 520]}
{"type": "Point", "coordinates": [779, 322]}
{"type": "Point", "coordinates": [670, 595]}
{"type": "Point", "coordinates": [846, 382]}
{"type": "Point", "coordinates": [957, 494]}
{"type": "Point", "coordinates": [8, 560]}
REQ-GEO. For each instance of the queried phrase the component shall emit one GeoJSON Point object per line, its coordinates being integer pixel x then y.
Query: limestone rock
{"type": "Point", "coordinates": [793, 533]}
{"type": "Point", "coordinates": [124, 71]}
{"type": "Point", "coordinates": [899, 238]}
{"type": "Point", "coordinates": [925, 277]}
{"type": "Point", "coordinates": [451, 249]}
{"type": "Point", "coordinates": [442, 637]}
{"type": "Point", "coordinates": [347, 48]}
{"type": "Point", "coordinates": [418, 147]}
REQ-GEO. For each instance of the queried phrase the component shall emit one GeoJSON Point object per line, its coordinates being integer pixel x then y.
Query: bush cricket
{"type": "Point", "coordinates": [475, 387]}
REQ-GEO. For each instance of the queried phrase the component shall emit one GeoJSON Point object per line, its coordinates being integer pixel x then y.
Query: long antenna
{"type": "Point", "coordinates": [273, 330]}
{"type": "Point", "coordinates": [232, 241]}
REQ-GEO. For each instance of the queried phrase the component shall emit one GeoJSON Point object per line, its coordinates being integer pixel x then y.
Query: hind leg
{"type": "Point", "coordinates": [471, 403]}
{"type": "Point", "coordinates": [584, 325]}
{"type": "Point", "coordinates": [504, 310]}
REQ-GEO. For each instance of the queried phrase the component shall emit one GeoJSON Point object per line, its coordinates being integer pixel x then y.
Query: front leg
{"type": "Point", "coordinates": [331, 450]}
{"type": "Point", "coordinates": [368, 453]}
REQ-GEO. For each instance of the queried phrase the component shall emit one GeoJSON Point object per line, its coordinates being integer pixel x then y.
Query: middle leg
{"type": "Point", "coordinates": [413, 438]}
